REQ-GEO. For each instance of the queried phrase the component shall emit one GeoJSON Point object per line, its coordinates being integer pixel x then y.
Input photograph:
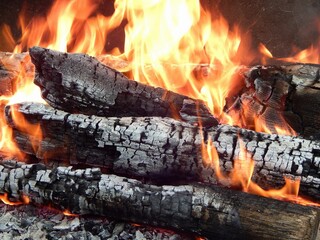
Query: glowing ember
{"type": "Point", "coordinates": [4, 198]}
{"type": "Point", "coordinates": [308, 55]}
{"type": "Point", "coordinates": [69, 214]}
{"type": "Point", "coordinates": [241, 174]}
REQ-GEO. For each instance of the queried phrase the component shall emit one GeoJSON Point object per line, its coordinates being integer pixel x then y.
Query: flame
{"type": "Point", "coordinates": [68, 26]}
{"type": "Point", "coordinates": [266, 54]}
{"type": "Point", "coordinates": [284, 129]}
{"type": "Point", "coordinates": [183, 34]}
{"type": "Point", "coordinates": [242, 172]}
{"type": "Point", "coordinates": [308, 55]}
{"type": "Point", "coordinates": [69, 214]}
{"type": "Point", "coordinates": [166, 44]}
{"type": "Point", "coordinates": [4, 198]}
{"type": "Point", "coordinates": [25, 91]}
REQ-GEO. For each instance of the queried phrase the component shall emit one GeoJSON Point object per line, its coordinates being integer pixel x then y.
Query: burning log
{"type": "Point", "coordinates": [79, 83]}
{"type": "Point", "coordinates": [162, 148]}
{"type": "Point", "coordinates": [271, 95]}
{"type": "Point", "coordinates": [274, 96]}
{"type": "Point", "coordinates": [210, 211]}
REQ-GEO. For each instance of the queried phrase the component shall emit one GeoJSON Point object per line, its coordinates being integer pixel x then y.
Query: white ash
{"type": "Point", "coordinates": [27, 222]}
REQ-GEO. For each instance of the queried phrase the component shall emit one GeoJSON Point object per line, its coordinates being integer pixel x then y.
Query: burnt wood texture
{"type": "Point", "coordinates": [275, 95]}
{"type": "Point", "coordinates": [82, 84]}
{"type": "Point", "coordinates": [212, 212]}
{"type": "Point", "coordinates": [163, 148]}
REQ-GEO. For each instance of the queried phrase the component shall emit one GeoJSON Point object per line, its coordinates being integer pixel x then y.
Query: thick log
{"type": "Point", "coordinates": [163, 148]}
{"type": "Point", "coordinates": [274, 95]}
{"type": "Point", "coordinates": [212, 212]}
{"type": "Point", "coordinates": [79, 83]}
{"type": "Point", "coordinates": [279, 95]}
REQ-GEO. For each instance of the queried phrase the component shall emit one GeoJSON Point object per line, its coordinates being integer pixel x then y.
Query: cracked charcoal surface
{"type": "Point", "coordinates": [31, 222]}
{"type": "Point", "coordinates": [296, 97]}
{"type": "Point", "coordinates": [79, 83]}
{"type": "Point", "coordinates": [280, 95]}
{"type": "Point", "coordinates": [163, 149]}
{"type": "Point", "coordinates": [212, 212]}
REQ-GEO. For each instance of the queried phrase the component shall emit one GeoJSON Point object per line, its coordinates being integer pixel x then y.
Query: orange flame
{"type": "Point", "coordinates": [67, 27]}
{"type": "Point", "coordinates": [4, 198]}
{"type": "Point", "coordinates": [266, 54]}
{"type": "Point", "coordinates": [262, 126]}
{"type": "Point", "coordinates": [181, 33]}
{"type": "Point", "coordinates": [69, 214]}
{"type": "Point", "coordinates": [242, 172]}
{"type": "Point", "coordinates": [309, 55]}
{"type": "Point", "coordinates": [25, 91]}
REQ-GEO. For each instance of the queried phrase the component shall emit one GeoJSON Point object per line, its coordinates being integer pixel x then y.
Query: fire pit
{"type": "Point", "coordinates": [203, 141]}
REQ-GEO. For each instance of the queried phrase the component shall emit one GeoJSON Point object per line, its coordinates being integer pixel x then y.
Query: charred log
{"type": "Point", "coordinates": [274, 95]}
{"type": "Point", "coordinates": [78, 83]}
{"type": "Point", "coordinates": [212, 212]}
{"type": "Point", "coordinates": [279, 95]}
{"type": "Point", "coordinates": [163, 148]}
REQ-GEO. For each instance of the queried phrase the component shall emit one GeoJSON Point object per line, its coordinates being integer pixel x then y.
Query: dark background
{"type": "Point", "coordinates": [279, 24]}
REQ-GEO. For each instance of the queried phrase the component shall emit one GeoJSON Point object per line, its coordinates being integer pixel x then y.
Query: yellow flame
{"type": "Point", "coordinates": [242, 172]}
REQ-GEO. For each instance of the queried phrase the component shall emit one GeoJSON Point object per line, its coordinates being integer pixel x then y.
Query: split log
{"type": "Point", "coordinates": [212, 212]}
{"type": "Point", "coordinates": [163, 148]}
{"type": "Point", "coordinates": [81, 84]}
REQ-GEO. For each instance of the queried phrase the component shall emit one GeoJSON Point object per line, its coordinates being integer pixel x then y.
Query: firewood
{"type": "Point", "coordinates": [79, 83]}
{"type": "Point", "coordinates": [268, 92]}
{"type": "Point", "coordinates": [163, 148]}
{"type": "Point", "coordinates": [211, 211]}
{"type": "Point", "coordinates": [276, 95]}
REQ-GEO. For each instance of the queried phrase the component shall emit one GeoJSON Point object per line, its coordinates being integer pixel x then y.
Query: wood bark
{"type": "Point", "coordinates": [163, 149]}
{"type": "Point", "coordinates": [79, 83]}
{"type": "Point", "coordinates": [212, 212]}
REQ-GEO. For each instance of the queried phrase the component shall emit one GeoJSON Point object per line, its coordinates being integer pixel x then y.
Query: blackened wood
{"type": "Point", "coordinates": [78, 83]}
{"type": "Point", "coordinates": [164, 148]}
{"type": "Point", "coordinates": [213, 212]}
{"type": "Point", "coordinates": [277, 95]}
